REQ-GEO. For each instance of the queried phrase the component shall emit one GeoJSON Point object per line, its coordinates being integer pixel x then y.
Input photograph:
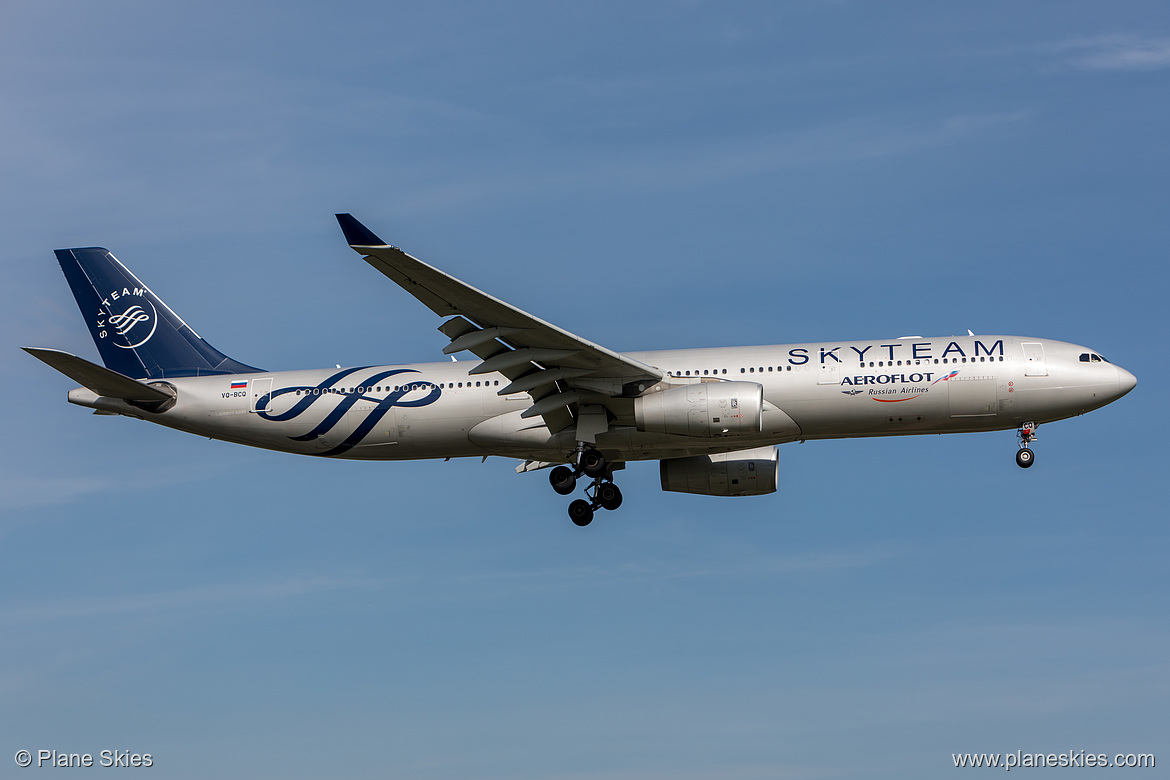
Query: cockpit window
{"type": "Point", "coordinates": [1095, 358]}
{"type": "Point", "coordinates": [1084, 357]}
{"type": "Point", "coordinates": [1092, 357]}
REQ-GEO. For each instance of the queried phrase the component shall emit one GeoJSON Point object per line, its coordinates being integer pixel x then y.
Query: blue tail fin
{"type": "Point", "coordinates": [136, 333]}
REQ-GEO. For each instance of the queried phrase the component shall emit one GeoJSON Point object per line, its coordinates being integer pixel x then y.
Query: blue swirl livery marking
{"type": "Point", "coordinates": [337, 414]}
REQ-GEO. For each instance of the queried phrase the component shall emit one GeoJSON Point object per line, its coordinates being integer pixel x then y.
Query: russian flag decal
{"type": "Point", "coordinates": [239, 385]}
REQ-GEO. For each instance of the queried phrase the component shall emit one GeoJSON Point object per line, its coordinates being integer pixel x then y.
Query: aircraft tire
{"type": "Point", "coordinates": [581, 513]}
{"type": "Point", "coordinates": [608, 496]}
{"type": "Point", "coordinates": [563, 480]}
{"type": "Point", "coordinates": [593, 463]}
{"type": "Point", "coordinates": [1025, 458]}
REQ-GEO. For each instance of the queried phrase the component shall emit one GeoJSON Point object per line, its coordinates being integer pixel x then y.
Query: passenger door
{"type": "Point", "coordinates": [1034, 364]}
{"type": "Point", "coordinates": [259, 389]}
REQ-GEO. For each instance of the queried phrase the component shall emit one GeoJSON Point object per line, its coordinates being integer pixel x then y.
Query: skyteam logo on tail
{"type": "Point", "coordinates": [128, 316]}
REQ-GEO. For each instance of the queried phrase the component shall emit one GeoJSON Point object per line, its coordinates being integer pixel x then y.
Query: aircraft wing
{"type": "Point", "coordinates": [557, 368]}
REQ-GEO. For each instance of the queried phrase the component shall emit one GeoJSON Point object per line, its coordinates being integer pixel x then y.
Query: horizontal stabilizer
{"type": "Point", "coordinates": [99, 379]}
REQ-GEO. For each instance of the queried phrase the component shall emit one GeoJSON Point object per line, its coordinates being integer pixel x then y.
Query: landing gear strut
{"type": "Point", "coordinates": [1024, 455]}
{"type": "Point", "coordinates": [601, 493]}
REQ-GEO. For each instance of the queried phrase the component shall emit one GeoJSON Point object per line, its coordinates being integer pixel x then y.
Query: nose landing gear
{"type": "Point", "coordinates": [602, 493]}
{"type": "Point", "coordinates": [1024, 455]}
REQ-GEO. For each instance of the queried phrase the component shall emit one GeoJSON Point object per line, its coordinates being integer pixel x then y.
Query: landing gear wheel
{"type": "Point", "coordinates": [581, 513]}
{"type": "Point", "coordinates": [563, 480]}
{"type": "Point", "coordinates": [1025, 458]}
{"type": "Point", "coordinates": [608, 496]}
{"type": "Point", "coordinates": [592, 463]}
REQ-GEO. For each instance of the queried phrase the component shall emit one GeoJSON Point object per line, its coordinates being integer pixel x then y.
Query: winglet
{"type": "Point", "coordinates": [357, 234]}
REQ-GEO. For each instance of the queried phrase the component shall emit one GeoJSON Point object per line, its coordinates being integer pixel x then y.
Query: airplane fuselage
{"type": "Point", "coordinates": [892, 387]}
{"type": "Point", "coordinates": [555, 400]}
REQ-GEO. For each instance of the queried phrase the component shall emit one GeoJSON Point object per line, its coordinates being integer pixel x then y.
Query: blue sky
{"type": "Point", "coordinates": [648, 175]}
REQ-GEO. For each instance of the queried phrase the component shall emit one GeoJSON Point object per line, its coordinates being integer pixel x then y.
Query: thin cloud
{"type": "Point", "coordinates": [733, 563]}
{"type": "Point", "coordinates": [694, 165]}
{"type": "Point", "coordinates": [25, 491]}
{"type": "Point", "coordinates": [169, 602]}
{"type": "Point", "coordinates": [1113, 52]}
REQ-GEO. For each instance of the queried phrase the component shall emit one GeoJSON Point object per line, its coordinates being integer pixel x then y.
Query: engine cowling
{"type": "Point", "coordinates": [708, 409]}
{"type": "Point", "coordinates": [751, 472]}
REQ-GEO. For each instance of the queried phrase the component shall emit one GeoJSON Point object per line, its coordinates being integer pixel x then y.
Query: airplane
{"type": "Point", "coordinates": [537, 393]}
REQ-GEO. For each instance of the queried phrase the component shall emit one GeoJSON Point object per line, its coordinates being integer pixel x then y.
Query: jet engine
{"type": "Point", "coordinates": [707, 409]}
{"type": "Point", "coordinates": [751, 472]}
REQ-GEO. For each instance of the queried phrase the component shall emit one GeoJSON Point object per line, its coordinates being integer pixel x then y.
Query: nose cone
{"type": "Point", "coordinates": [1125, 381]}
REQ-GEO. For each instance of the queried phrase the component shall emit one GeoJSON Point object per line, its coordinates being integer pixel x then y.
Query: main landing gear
{"type": "Point", "coordinates": [602, 493]}
{"type": "Point", "coordinates": [1024, 455]}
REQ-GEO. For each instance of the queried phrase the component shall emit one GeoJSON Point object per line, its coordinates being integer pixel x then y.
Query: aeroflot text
{"type": "Point", "coordinates": [887, 379]}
